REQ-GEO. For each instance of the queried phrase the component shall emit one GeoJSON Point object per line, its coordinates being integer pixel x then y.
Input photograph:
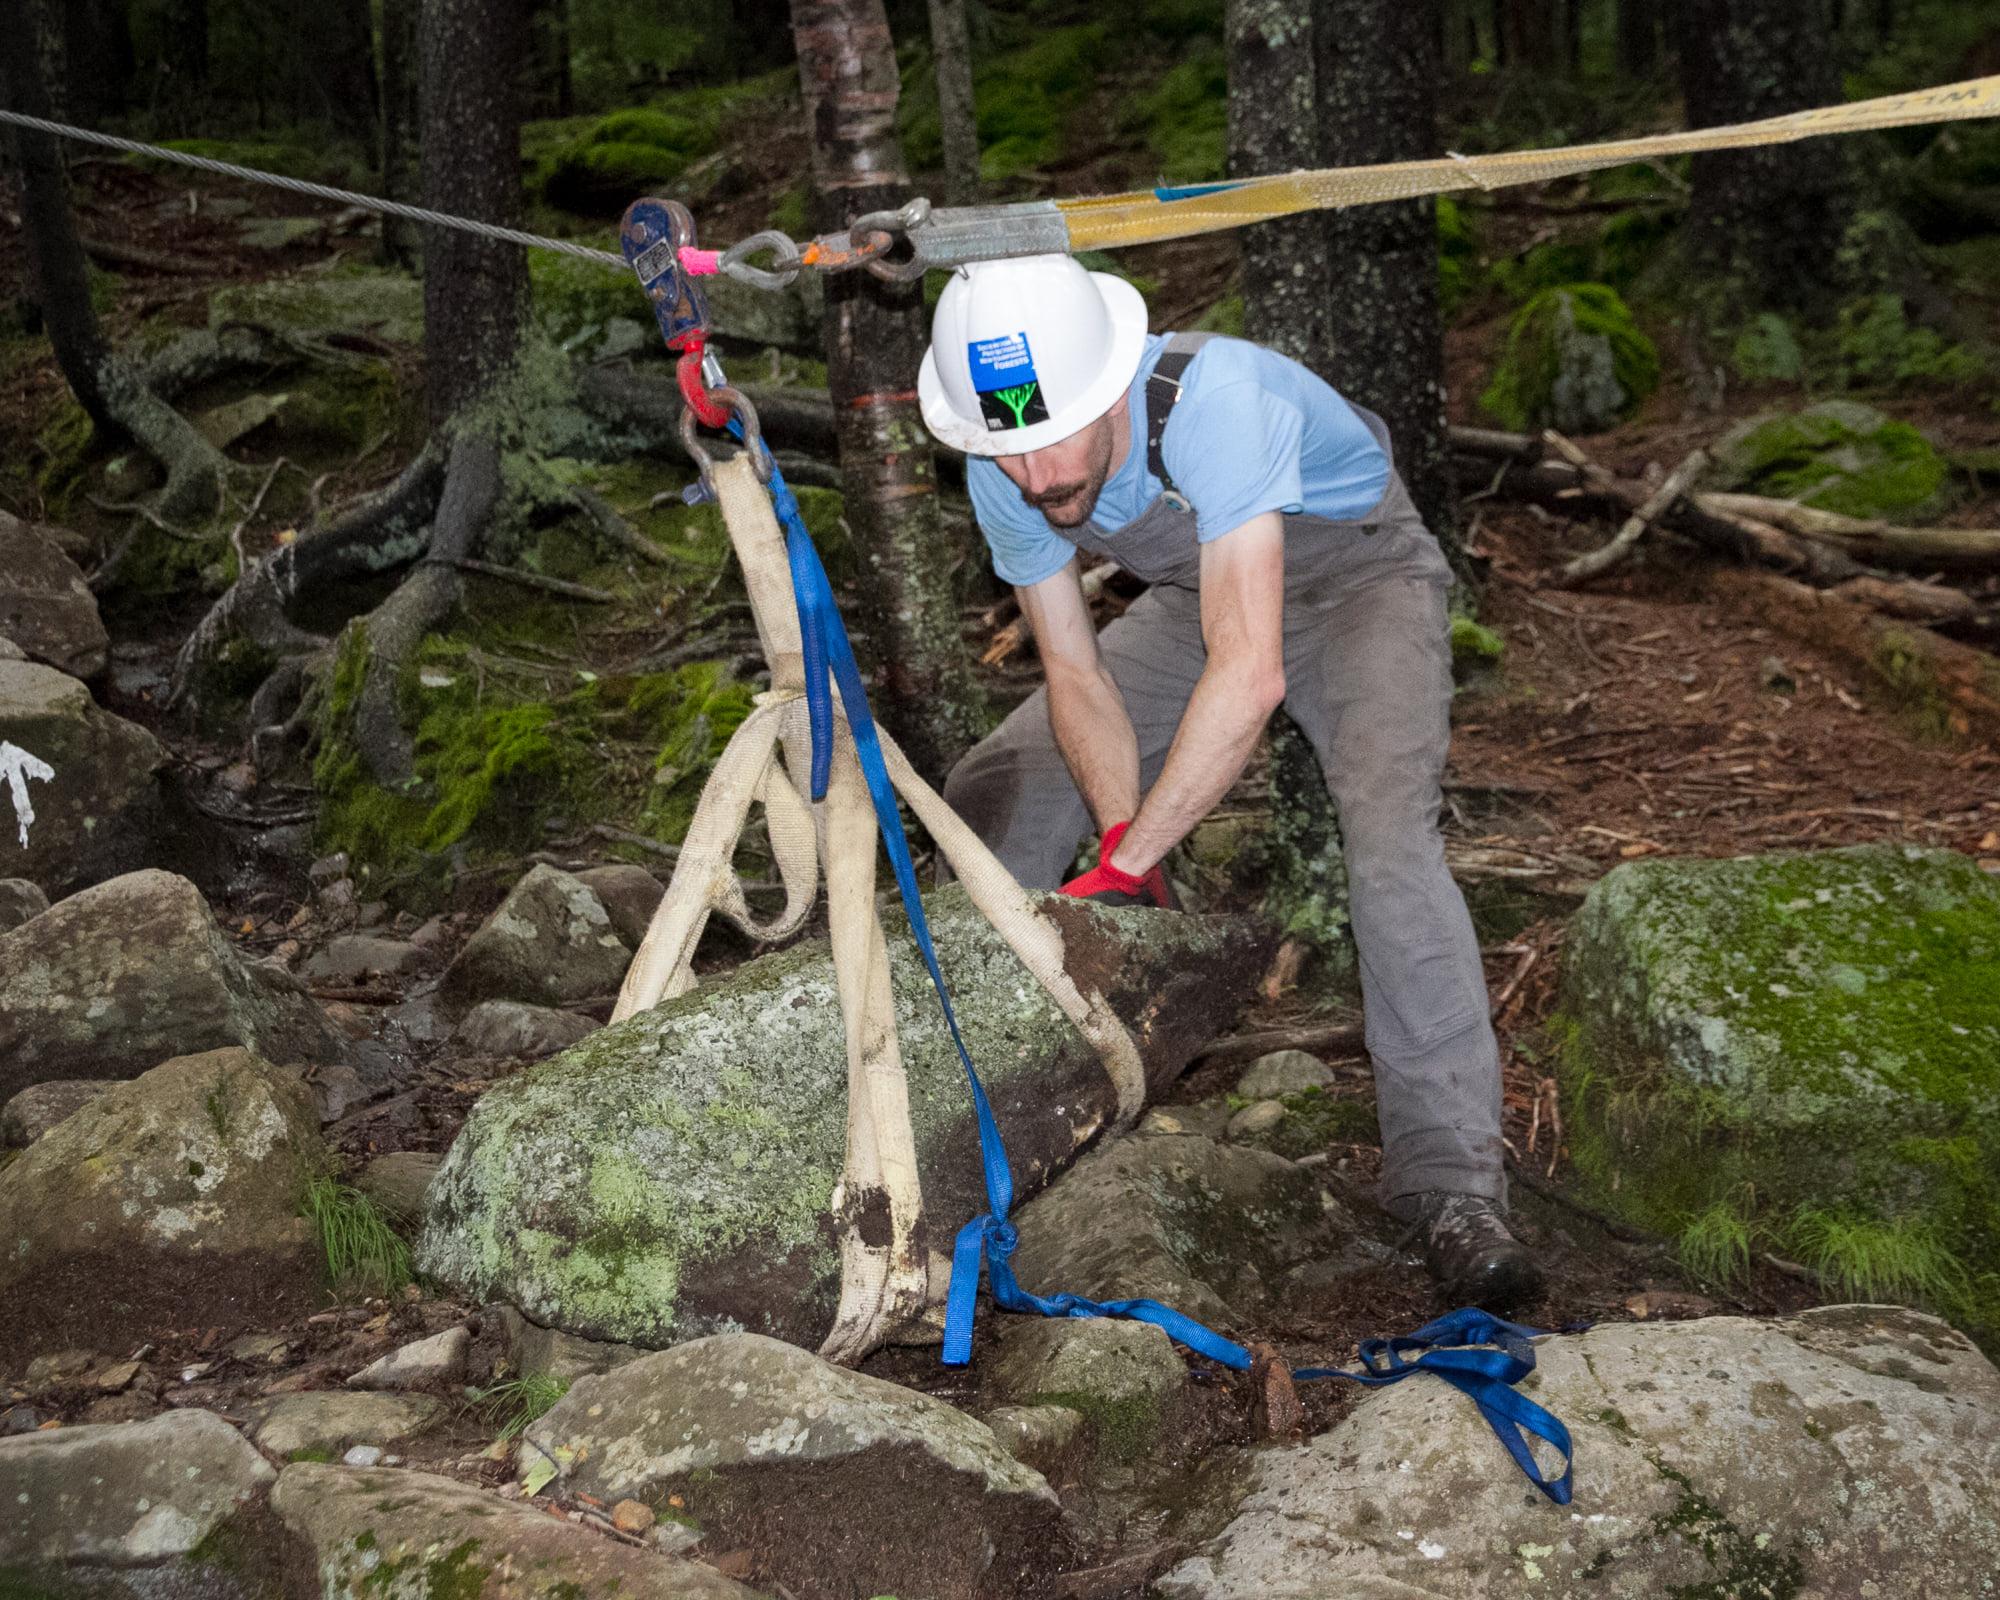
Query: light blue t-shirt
{"type": "Point", "coordinates": [1253, 431]}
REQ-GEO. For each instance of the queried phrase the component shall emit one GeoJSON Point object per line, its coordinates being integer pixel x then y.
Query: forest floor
{"type": "Point", "coordinates": [1637, 716]}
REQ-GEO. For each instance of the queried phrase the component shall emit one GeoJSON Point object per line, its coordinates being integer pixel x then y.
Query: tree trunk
{"type": "Point", "coordinates": [98, 45]}
{"type": "Point", "coordinates": [1638, 37]}
{"type": "Point", "coordinates": [1378, 76]}
{"type": "Point", "coordinates": [106, 386]}
{"type": "Point", "coordinates": [400, 124]}
{"type": "Point", "coordinates": [1767, 221]}
{"type": "Point", "coordinates": [1527, 33]}
{"type": "Point", "coordinates": [335, 44]}
{"type": "Point", "coordinates": [185, 56]}
{"type": "Point", "coordinates": [475, 289]}
{"type": "Point", "coordinates": [1274, 111]}
{"type": "Point", "coordinates": [874, 341]}
{"type": "Point", "coordinates": [951, 60]}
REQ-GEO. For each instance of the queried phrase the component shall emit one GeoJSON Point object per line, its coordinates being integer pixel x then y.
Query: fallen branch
{"type": "Point", "coordinates": [1319, 1038]}
{"type": "Point", "coordinates": [615, 528]}
{"type": "Point", "coordinates": [1626, 540]}
{"type": "Point", "coordinates": [1869, 539]}
{"type": "Point", "coordinates": [1943, 681]}
{"type": "Point", "coordinates": [1929, 603]}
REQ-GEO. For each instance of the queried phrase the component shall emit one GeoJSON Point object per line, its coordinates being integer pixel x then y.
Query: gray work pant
{"type": "Point", "coordinates": [1368, 680]}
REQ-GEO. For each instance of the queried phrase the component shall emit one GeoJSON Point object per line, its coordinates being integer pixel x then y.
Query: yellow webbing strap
{"type": "Point", "coordinates": [1144, 216]}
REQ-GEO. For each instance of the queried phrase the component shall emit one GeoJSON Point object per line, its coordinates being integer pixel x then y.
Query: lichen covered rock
{"type": "Point", "coordinates": [130, 1494]}
{"type": "Point", "coordinates": [672, 1176]}
{"type": "Point", "coordinates": [550, 941]}
{"type": "Point", "coordinates": [1800, 1052]}
{"type": "Point", "coordinates": [379, 1533]}
{"type": "Point", "coordinates": [1838, 455]}
{"type": "Point", "coordinates": [45, 606]}
{"type": "Point", "coordinates": [165, 1201]}
{"type": "Point", "coordinates": [120, 977]}
{"type": "Point", "coordinates": [93, 789]}
{"type": "Point", "coordinates": [1575, 360]}
{"type": "Point", "coordinates": [815, 1468]}
{"type": "Point", "coordinates": [1853, 1450]}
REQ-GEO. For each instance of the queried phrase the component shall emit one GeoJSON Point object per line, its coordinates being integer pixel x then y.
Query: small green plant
{"type": "Point", "coordinates": [1874, 1259]}
{"type": "Point", "coordinates": [513, 1403]}
{"type": "Point", "coordinates": [362, 1251]}
{"type": "Point", "coordinates": [1715, 1245]}
{"type": "Point", "coordinates": [1768, 351]}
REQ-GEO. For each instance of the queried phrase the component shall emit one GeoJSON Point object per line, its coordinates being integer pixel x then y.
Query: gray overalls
{"type": "Point", "coordinates": [1368, 680]}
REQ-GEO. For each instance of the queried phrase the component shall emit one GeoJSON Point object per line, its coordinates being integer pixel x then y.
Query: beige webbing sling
{"type": "Point", "coordinates": [887, 1290]}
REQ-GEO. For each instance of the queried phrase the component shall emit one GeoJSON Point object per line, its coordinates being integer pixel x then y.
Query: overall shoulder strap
{"type": "Point", "coordinates": [1163, 393]}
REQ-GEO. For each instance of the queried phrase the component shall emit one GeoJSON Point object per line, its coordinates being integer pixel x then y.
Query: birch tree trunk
{"type": "Point", "coordinates": [875, 336]}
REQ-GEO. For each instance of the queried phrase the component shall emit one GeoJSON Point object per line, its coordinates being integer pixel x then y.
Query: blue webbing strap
{"type": "Point", "coordinates": [1485, 1376]}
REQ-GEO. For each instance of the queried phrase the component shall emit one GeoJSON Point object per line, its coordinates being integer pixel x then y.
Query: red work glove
{"type": "Point", "coordinates": [1105, 884]}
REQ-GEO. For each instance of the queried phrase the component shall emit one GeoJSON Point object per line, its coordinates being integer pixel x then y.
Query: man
{"type": "Point", "coordinates": [1287, 568]}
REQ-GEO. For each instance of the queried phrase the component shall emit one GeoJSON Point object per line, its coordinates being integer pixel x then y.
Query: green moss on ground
{"type": "Point", "coordinates": [1799, 1054]}
{"type": "Point", "coordinates": [1024, 97]}
{"type": "Point", "coordinates": [1574, 360]}
{"type": "Point", "coordinates": [625, 154]}
{"type": "Point", "coordinates": [1316, 1121]}
{"type": "Point", "coordinates": [1838, 456]}
{"type": "Point", "coordinates": [1474, 645]}
{"type": "Point", "coordinates": [1124, 1428]}
{"type": "Point", "coordinates": [503, 748]}
{"type": "Point", "coordinates": [1185, 117]}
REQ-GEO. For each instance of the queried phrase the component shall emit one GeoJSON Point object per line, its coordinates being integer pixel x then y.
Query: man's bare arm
{"type": "Point", "coordinates": [1243, 625]}
{"type": "Point", "coordinates": [1093, 730]}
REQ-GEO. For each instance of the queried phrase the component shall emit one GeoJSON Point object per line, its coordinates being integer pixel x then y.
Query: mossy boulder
{"type": "Point", "coordinates": [551, 941]}
{"type": "Point", "coordinates": [1574, 360]}
{"type": "Point", "coordinates": [1838, 455]}
{"type": "Point", "coordinates": [380, 1532]}
{"type": "Point", "coordinates": [45, 606]}
{"type": "Point", "coordinates": [389, 305]}
{"type": "Point", "coordinates": [621, 156]}
{"type": "Point", "coordinates": [84, 799]}
{"type": "Point", "coordinates": [168, 1201]}
{"type": "Point", "coordinates": [1798, 1053]}
{"type": "Point", "coordinates": [673, 1175]}
{"type": "Point", "coordinates": [1125, 1377]}
{"type": "Point", "coordinates": [816, 1468]}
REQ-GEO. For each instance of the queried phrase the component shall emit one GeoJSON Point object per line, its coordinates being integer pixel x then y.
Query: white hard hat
{"type": "Point", "coordinates": [1025, 353]}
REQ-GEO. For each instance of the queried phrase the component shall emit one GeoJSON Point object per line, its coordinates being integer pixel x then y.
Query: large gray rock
{"type": "Point", "coordinates": [93, 790]}
{"type": "Point", "coordinates": [20, 901]}
{"type": "Point", "coordinates": [1853, 1450]}
{"type": "Point", "coordinates": [814, 1467]}
{"type": "Point", "coordinates": [1126, 1377]}
{"type": "Point", "coordinates": [120, 977]}
{"type": "Point", "coordinates": [166, 1202]}
{"type": "Point", "coordinates": [325, 1422]}
{"type": "Point", "coordinates": [123, 1494]}
{"type": "Point", "coordinates": [352, 957]}
{"type": "Point", "coordinates": [45, 606]}
{"type": "Point", "coordinates": [514, 1029]}
{"type": "Point", "coordinates": [1803, 1044]}
{"type": "Point", "coordinates": [396, 1183]}
{"type": "Point", "coordinates": [433, 1363]}
{"type": "Point", "coordinates": [1283, 1072]}
{"type": "Point", "coordinates": [672, 1176]}
{"type": "Point", "coordinates": [40, 1106]}
{"type": "Point", "coordinates": [379, 1534]}
{"type": "Point", "coordinates": [551, 942]}
{"type": "Point", "coordinates": [1206, 1228]}
{"type": "Point", "coordinates": [630, 895]}
{"type": "Point", "coordinates": [535, 1350]}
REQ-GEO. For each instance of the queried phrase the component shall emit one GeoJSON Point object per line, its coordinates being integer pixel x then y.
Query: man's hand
{"type": "Point", "coordinates": [1105, 884]}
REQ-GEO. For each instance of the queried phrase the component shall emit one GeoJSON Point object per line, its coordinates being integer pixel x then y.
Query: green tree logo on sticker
{"type": "Point", "coordinates": [1017, 406]}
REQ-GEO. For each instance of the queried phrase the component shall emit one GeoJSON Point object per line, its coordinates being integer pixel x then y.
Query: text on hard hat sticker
{"type": "Point", "coordinates": [1000, 363]}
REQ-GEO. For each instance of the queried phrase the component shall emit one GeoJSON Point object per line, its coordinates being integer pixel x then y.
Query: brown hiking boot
{"type": "Point", "coordinates": [1471, 1253]}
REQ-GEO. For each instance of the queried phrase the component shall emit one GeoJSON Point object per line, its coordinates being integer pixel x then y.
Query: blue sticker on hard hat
{"type": "Point", "coordinates": [1003, 376]}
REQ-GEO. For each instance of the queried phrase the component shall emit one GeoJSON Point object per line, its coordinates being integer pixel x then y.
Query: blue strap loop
{"type": "Point", "coordinates": [1443, 1348]}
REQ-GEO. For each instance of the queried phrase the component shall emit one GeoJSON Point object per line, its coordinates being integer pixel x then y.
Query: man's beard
{"type": "Point", "coordinates": [1069, 505]}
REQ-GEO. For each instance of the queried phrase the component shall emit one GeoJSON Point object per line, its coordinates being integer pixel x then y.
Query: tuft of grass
{"type": "Point", "coordinates": [362, 1251]}
{"type": "Point", "coordinates": [513, 1403]}
{"type": "Point", "coordinates": [1715, 1245]}
{"type": "Point", "coordinates": [1873, 1259]}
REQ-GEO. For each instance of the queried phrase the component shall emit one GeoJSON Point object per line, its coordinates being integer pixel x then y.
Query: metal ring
{"type": "Point", "coordinates": [900, 223]}
{"type": "Point", "coordinates": [735, 400]}
{"type": "Point", "coordinates": [785, 254]}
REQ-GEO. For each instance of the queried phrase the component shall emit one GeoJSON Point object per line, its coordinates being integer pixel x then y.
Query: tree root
{"type": "Point", "coordinates": [420, 603]}
{"type": "Point", "coordinates": [385, 531]}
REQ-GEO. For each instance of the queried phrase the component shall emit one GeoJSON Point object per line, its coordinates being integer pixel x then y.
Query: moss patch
{"type": "Point", "coordinates": [1574, 360]}
{"type": "Point", "coordinates": [1840, 456]}
{"type": "Point", "coordinates": [1024, 98]}
{"type": "Point", "coordinates": [1798, 1053]}
{"type": "Point", "coordinates": [1185, 117]}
